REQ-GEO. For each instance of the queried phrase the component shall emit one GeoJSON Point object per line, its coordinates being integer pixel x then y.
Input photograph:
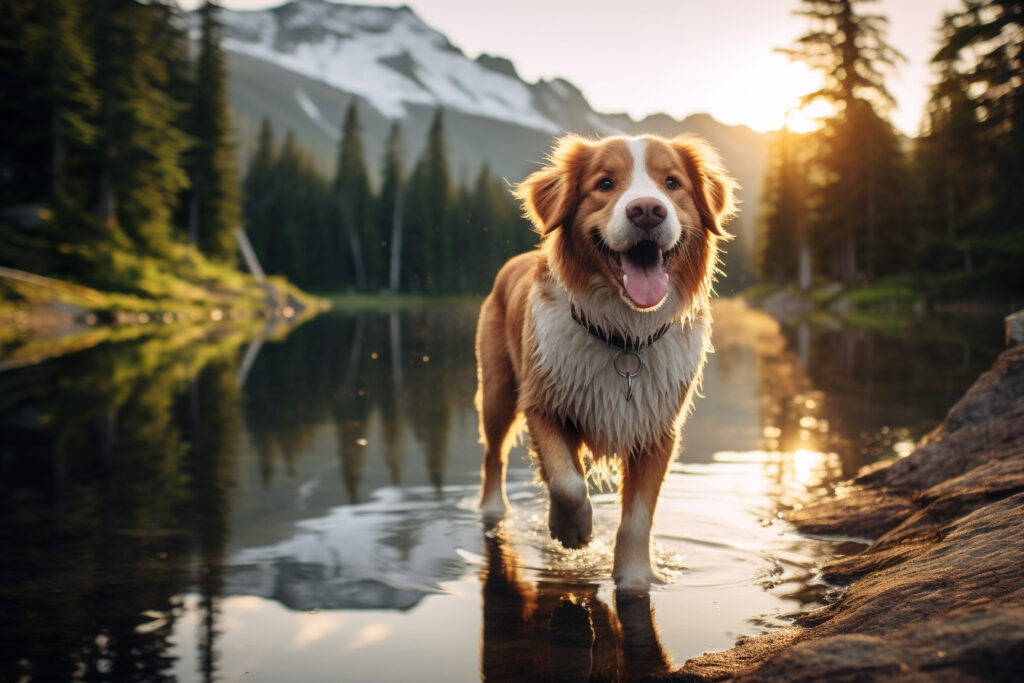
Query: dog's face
{"type": "Point", "coordinates": [641, 213]}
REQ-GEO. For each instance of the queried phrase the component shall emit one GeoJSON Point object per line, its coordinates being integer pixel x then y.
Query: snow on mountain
{"type": "Point", "coordinates": [300, 65]}
{"type": "Point", "coordinates": [314, 113]}
{"type": "Point", "coordinates": [388, 56]}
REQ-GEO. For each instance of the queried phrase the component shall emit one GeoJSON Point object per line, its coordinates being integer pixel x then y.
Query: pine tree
{"type": "Point", "coordinates": [859, 160]}
{"type": "Point", "coordinates": [213, 210]}
{"type": "Point", "coordinates": [137, 160]}
{"type": "Point", "coordinates": [46, 68]}
{"type": "Point", "coordinates": [985, 37]}
{"type": "Point", "coordinates": [430, 250]}
{"type": "Point", "coordinates": [389, 213]}
{"type": "Point", "coordinates": [354, 203]}
{"type": "Point", "coordinates": [978, 120]}
{"type": "Point", "coordinates": [952, 175]}
{"type": "Point", "coordinates": [783, 222]}
{"type": "Point", "coordinates": [261, 192]}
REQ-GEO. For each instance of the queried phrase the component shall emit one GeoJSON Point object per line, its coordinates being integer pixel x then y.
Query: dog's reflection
{"type": "Point", "coordinates": [555, 631]}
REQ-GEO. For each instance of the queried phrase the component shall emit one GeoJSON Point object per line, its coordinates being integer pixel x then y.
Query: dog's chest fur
{"type": "Point", "coordinates": [580, 384]}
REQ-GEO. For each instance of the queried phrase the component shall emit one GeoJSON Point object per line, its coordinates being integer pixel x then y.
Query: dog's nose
{"type": "Point", "coordinates": [645, 213]}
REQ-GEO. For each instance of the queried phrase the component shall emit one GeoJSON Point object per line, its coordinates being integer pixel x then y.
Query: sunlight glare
{"type": "Point", "coordinates": [768, 93]}
{"type": "Point", "coordinates": [808, 118]}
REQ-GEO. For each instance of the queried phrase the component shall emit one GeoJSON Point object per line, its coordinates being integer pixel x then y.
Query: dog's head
{"type": "Point", "coordinates": [642, 213]}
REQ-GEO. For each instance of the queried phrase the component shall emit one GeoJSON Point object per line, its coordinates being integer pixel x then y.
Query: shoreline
{"type": "Point", "coordinates": [939, 594]}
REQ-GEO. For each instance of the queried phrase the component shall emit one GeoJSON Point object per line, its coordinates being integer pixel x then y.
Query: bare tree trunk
{"type": "Point", "coordinates": [193, 205]}
{"type": "Point", "coordinates": [851, 258]}
{"type": "Point", "coordinates": [354, 244]}
{"type": "Point", "coordinates": [105, 206]}
{"type": "Point", "coordinates": [57, 149]}
{"type": "Point", "coordinates": [871, 218]}
{"type": "Point", "coordinates": [397, 220]}
{"type": "Point", "coordinates": [950, 209]}
{"type": "Point", "coordinates": [805, 267]}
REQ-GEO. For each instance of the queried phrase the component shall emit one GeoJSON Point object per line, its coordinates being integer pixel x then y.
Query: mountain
{"type": "Point", "coordinates": [301, 63]}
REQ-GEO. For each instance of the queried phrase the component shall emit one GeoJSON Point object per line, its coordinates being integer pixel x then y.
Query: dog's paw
{"type": "Point", "coordinates": [571, 519]}
{"type": "Point", "coordinates": [493, 508]}
{"type": "Point", "coordinates": [635, 578]}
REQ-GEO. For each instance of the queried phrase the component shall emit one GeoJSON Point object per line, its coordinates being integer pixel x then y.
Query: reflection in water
{"type": "Point", "coordinates": [117, 464]}
{"type": "Point", "coordinates": [560, 631]}
{"type": "Point", "coordinates": [172, 506]}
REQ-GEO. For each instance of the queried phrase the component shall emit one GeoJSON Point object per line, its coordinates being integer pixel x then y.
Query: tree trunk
{"type": "Point", "coordinates": [871, 219]}
{"type": "Point", "coordinates": [397, 220]}
{"type": "Point", "coordinates": [354, 244]}
{"type": "Point", "coordinates": [57, 150]}
{"type": "Point", "coordinates": [193, 206]}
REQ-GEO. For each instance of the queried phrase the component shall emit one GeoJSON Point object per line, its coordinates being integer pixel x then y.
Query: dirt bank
{"type": "Point", "coordinates": [940, 593]}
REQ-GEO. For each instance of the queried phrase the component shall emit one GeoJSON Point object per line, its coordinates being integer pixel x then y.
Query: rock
{"type": "Point", "coordinates": [940, 594]}
{"type": "Point", "coordinates": [1015, 328]}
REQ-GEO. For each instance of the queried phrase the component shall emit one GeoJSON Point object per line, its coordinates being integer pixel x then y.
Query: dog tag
{"type": "Point", "coordinates": [626, 374]}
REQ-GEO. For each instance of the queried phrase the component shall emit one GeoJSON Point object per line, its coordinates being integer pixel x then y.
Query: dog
{"type": "Point", "coordinates": [596, 339]}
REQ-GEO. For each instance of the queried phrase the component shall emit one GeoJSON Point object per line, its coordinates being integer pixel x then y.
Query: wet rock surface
{"type": "Point", "coordinates": [939, 595]}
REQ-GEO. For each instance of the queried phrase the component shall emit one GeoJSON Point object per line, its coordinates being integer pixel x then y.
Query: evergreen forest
{"type": "Point", "coordinates": [119, 169]}
{"type": "Point", "coordinates": [855, 202]}
{"type": "Point", "coordinates": [411, 232]}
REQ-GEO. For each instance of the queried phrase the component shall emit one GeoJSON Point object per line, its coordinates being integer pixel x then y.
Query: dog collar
{"type": "Point", "coordinates": [626, 344]}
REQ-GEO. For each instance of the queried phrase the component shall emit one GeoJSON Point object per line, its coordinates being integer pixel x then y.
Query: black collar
{"type": "Point", "coordinates": [626, 344]}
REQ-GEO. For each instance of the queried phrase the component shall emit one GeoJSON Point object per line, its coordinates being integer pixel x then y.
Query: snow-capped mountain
{"type": "Point", "coordinates": [302, 63]}
{"type": "Point", "coordinates": [385, 55]}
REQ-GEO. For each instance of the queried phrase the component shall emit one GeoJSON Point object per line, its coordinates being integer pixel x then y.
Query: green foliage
{"type": "Point", "coordinates": [213, 211]}
{"type": "Point", "coordinates": [951, 216]}
{"type": "Point", "coordinates": [49, 105]}
{"type": "Point", "coordinates": [419, 235]}
{"type": "Point", "coordinates": [970, 212]}
{"type": "Point", "coordinates": [783, 220]}
{"type": "Point", "coordinates": [855, 172]}
{"type": "Point", "coordinates": [982, 46]}
{"type": "Point", "coordinates": [389, 213]}
{"type": "Point", "coordinates": [353, 206]}
{"type": "Point", "coordinates": [104, 124]}
{"type": "Point", "coordinates": [429, 256]}
{"type": "Point", "coordinates": [138, 156]}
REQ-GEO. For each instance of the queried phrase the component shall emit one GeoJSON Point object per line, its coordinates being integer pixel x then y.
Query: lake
{"type": "Point", "coordinates": [233, 503]}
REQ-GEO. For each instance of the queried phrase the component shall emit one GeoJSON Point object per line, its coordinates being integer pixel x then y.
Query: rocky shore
{"type": "Point", "coordinates": [939, 595]}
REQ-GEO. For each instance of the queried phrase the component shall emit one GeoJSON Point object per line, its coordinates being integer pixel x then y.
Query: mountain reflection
{"type": "Point", "coordinates": [327, 467]}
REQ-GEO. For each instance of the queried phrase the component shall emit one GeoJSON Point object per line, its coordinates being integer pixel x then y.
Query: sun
{"type": "Point", "coordinates": [765, 95]}
{"type": "Point", "coordinates": [808, 118]}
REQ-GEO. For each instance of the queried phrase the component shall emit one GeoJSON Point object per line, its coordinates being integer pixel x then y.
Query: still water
{"type": "Point", "coordinates": [298, 505]}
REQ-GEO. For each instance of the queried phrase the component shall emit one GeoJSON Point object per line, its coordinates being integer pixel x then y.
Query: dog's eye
{"type": "Point", "coordinates": [671, 182]}
{"type": "Point", "coordinates": [605, 184]}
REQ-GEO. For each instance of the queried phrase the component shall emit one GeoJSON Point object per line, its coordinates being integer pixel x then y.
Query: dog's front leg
{"type": "Point", "coordinates": [557, 448]}
{"type": "Point", "coordinates": [643, 474]}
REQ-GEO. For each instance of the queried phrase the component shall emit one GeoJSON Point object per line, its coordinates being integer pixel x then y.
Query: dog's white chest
{"type": "Point", "coordinates": [582, 385]}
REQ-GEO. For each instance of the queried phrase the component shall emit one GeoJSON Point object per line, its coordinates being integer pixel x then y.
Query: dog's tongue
{"type": "Point", "coordinates": [646, 283]}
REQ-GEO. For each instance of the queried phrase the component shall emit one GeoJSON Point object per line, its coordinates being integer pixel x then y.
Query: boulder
{"type": "Point", "coordinates": [939, 595]}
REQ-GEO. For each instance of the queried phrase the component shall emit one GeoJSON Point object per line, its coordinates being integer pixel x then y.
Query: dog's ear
{"type": "Point", "coordinates": [550, 195]}
{"type": "Point", "coordinates": [714, 189]}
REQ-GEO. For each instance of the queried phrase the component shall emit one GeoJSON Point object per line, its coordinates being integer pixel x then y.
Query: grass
{"type": "Point", "coordinates": [359, 301]}
{"type": "Point", "coordinates": [135, 296]}
{"type": "Point", "coordinates": [182, 283]}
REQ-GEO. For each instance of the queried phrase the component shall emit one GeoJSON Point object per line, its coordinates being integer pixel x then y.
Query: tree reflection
{"type": "Point", "coordinates": [101, 475]}
{"type": "Point", "coordinates": [410, 371]}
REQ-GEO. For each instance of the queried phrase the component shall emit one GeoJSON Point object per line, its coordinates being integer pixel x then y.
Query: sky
{"type": "Point", "coordinates": [678, 57]}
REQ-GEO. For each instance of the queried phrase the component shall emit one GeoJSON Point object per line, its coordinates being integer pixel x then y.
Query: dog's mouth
{"type": "Point", "coordinates": [640, 271]}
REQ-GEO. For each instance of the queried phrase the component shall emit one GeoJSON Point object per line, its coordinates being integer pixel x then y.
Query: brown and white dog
{"type": "Point", "coordinates": [598, 337]}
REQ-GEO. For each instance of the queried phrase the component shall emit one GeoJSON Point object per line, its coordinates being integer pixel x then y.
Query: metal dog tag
{"type": "Point", "coordinates": [628, 376]}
